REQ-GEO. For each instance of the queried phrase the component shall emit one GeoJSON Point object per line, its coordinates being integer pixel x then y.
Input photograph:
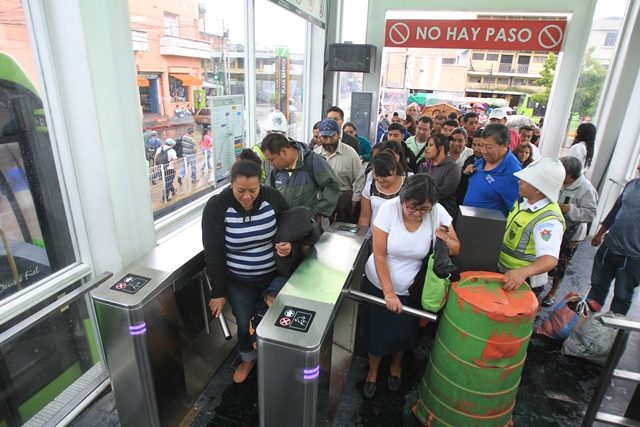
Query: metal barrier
{"type": "Point", "coordinates": [624, 326]}
{"type": "Point", "coordinates": [155, 329]}
{"type": "Point", "coordinates": [306, 339]}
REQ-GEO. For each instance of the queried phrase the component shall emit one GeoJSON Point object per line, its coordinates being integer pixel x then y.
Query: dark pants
{"type": "Point", "coordinates": [608, 266]}
{"type": "Point", "coordinates": [169, 175]}
{"type": "Point", "coordinates": [344, 211]}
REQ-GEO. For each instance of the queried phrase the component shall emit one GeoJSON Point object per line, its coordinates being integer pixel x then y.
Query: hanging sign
{"type": "Point", "coordinates": [541, 35]}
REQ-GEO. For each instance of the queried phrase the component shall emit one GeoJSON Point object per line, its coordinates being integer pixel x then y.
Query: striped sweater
{"type": "Point", "coordinates": [239, 244]}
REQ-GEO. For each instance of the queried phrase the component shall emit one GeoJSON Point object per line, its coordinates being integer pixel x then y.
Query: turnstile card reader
{"type": "Point", "coordinates": [154, 324]}
{"type": "Point", "coordinates": [292, 334]}
{"type": "Point", "coordinates": [480, 232]}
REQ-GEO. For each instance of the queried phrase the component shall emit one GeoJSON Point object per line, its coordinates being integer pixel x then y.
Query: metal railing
{"type": "Point", "coordinates": [182, 177]}
{"type": "Point", "coordinates": [624, 327]}
{"type": "Point", "coordinates": [364, 297]}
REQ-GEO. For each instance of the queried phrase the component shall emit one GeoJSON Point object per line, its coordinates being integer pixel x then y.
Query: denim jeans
{"type": "Point", "coordinates": [191, 161]}
{"type": "Point", "coordinates": [243, 299]}
{"type": "Point", "coordinates": [207, 159]}
{"type": "Point", "coordinates": [608, 266]}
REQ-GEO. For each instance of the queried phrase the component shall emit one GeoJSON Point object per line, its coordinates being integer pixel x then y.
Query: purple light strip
{"type": "Point", "coordinates": [138, 329]}
{"type": "Point", "coordinates": [311, 376]}
{"type": "Point", "coordinates": [310, 371]}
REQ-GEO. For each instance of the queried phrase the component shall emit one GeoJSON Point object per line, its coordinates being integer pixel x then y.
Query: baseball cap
{"type": "Point", "coordinates": [401, 114]}
{"type": "Point", "coordinates": [328, 127]}
{"type": "Point", "coordinates": [497, 113]}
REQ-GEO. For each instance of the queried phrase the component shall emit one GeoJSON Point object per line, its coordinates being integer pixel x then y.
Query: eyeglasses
{"type": "Point", "coordinates": [413, 209]}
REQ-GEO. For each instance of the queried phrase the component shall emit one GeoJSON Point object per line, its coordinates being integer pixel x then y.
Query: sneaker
{"type": "Point", "coordinates": [369, 389]}
{"type": "Point", "coordinates": [393, 382]}
{"type": "Point", "coordinates": [548, 301]}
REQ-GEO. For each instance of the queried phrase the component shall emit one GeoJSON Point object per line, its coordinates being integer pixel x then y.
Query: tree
{"type": "Point", "coordinates": [546, 79]}
{"type": "Point", "coordinates": [589, 85]}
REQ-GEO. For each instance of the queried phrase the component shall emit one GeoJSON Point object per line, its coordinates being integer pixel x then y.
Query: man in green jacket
{"type": "Point", "coordinates": [303, 177]}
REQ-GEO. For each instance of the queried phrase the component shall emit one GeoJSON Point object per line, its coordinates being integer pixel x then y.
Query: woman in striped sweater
{"type": "Point", "coordinates": [238, 230]}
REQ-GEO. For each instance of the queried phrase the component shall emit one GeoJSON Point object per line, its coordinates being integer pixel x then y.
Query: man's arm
{"type": "Point", "coordinates": [607, 223]}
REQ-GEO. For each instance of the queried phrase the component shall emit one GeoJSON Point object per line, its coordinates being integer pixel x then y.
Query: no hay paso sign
{"type": "Point", "coordinates": [492, 34]}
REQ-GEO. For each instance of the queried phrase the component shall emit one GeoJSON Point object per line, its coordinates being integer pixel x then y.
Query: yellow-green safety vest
{"type": "Point", "coordinates": [518, 249]}
{"type": "Point", "coordinates": [265, 164]}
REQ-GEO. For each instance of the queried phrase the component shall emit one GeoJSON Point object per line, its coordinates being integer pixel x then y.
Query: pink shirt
{"type": "Point", "coordinates": [514, 139]}
{"type": "Point", "coordinates": [206, 142]}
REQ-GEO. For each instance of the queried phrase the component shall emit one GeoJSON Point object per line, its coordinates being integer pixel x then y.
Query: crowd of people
{"type": "Point", "coordinates": [407, 188]}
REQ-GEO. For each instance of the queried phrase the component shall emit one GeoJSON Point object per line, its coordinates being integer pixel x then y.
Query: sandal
{"type": "Point", "coordinates": [393, 382]}
{"type": "Point", "coordinates": [548, 301]}
{"type": "Point", "coordinates": [369, 389]}
{"type": "Point", "coordinates": [242, 371]}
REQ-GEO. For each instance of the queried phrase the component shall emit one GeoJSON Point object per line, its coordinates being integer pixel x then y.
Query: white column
{"type": "Point", "coordinates": [92, 74]}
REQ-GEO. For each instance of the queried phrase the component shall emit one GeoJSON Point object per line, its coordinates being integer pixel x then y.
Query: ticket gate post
{"type": "Point", "coordinates": [314, 318]}
{"type": "Point", "coordinates": [160, 342]}
{"type": "Point", "coordinates": [295, 335]}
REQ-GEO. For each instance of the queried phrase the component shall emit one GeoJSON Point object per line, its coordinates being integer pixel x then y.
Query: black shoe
{"type": "Point", "coordinates": [180, 180]}
{"type": "Point", "coordinates": [369, 389]}
{"type": "Point", "coordinates": [393, 382]}
{"type": "Point", "coordinates": [548, 301]}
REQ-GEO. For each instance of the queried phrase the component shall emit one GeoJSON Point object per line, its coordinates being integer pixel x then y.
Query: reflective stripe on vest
{"type": "Point", "coordinates": [518, 255]}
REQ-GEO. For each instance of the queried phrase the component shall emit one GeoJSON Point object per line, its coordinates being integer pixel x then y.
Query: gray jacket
{"type": "Point", "coordinates": [583, 202]}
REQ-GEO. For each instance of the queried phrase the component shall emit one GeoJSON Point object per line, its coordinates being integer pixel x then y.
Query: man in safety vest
{"type": "Point", "coordinates": [276, 123]}
{"type": "Point", "coordinates": [532, 238]}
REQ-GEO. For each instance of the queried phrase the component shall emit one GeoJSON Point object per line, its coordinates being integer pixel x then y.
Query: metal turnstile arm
{"type": "Point", "coordinates": [362, 296]}
{"type": "Point", "coordinates": [202, 277]}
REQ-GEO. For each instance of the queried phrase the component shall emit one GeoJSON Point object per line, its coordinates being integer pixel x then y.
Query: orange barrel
{"type": "Point", "coordinates": [474, 368]}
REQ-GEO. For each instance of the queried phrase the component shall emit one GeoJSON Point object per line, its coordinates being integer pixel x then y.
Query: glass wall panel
{"type": "Point", "coordinates": [185, 52]}
{"type": "Point", "coordinates": [280, 62]}
{"type": "Point", "coordinates": [35, 240]}
{"type": "Point", "coordinates": [603, 39]}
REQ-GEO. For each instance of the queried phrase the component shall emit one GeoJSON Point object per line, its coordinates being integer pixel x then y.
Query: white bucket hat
{"type": "Point", "coordinates": [546, 175]}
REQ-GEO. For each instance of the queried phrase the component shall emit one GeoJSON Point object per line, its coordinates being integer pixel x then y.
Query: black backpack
{"type": "Point", "coordinates": [178, 147]}
{"type": "Point", "coordinates": [162, 158]}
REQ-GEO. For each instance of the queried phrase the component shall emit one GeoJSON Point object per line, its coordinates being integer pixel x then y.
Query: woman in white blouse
{"type": "Point", "coordinates": [402, 234]}
{"type": "Point", "coordinates": [583, 147]}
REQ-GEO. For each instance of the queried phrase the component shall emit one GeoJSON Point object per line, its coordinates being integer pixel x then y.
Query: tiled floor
{"type": "Point", "coordinates": [555, 389]}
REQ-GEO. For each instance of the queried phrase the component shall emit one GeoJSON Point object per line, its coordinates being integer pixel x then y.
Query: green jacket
{"type": "Point", "coordinates": [312, 183]}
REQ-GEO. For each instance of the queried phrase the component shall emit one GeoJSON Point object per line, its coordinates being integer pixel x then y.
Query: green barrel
{"type": "Point", "coordinates": [474, 368]}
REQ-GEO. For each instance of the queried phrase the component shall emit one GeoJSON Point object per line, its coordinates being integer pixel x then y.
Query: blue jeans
{"type": "Point", "coordinates": [207, 159]}
{"type": "Point", "coordinates": [243, 299]}
{"type": "Point", "coordinates": [608, 266]}
{"type": "Point", "coordinates": [191, 161]}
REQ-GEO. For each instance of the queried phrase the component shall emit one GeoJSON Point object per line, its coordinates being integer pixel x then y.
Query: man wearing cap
{"type": "Point", "coordinates": [345, 162]}
{"type": "Point", "coordinates": [532, 238]}
{"type": "Point", "coordinates": [399, 117]}
{"type": "Point", "coordinates": [492, 184]}
{"type": "Point", "coordinates": [336, 113]}
{"type": "Point", "coordinates": [499, 116]}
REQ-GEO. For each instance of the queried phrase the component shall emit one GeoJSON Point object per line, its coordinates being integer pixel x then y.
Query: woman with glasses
{"type": "Point", "coordinates": [402, 235]}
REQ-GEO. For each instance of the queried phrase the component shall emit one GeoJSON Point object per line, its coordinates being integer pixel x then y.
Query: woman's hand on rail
{"type": "Point", "coordinates": [216, 305]}
{"type": "Point", "coordinates": [393, 302]}
{"type": "Point", "coordinates": [283, 249]}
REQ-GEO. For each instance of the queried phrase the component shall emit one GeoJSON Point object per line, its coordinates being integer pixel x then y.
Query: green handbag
{"type": "Point", "coordinates": [434, 289]}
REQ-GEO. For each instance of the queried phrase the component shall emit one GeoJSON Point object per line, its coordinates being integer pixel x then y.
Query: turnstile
{"type": "Point", "coordinates": [480, 232]}
{"type": "Point", "coordinates": [161, 344]}
{"type": "Point", "coordinates": [307, 336]}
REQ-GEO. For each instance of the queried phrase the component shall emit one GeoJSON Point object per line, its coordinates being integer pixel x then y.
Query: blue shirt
{"type": "Point", "coordinates": [494, 189]}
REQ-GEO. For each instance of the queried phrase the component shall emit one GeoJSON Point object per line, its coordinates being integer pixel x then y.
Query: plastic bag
{"type": "Point", "coordinates": [592, 342]}
{"type": "Point", "coordinates": [566, 317]}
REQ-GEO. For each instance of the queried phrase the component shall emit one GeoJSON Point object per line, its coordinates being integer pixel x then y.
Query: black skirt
{"type": "Point", "coordinates": [387, 332]}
